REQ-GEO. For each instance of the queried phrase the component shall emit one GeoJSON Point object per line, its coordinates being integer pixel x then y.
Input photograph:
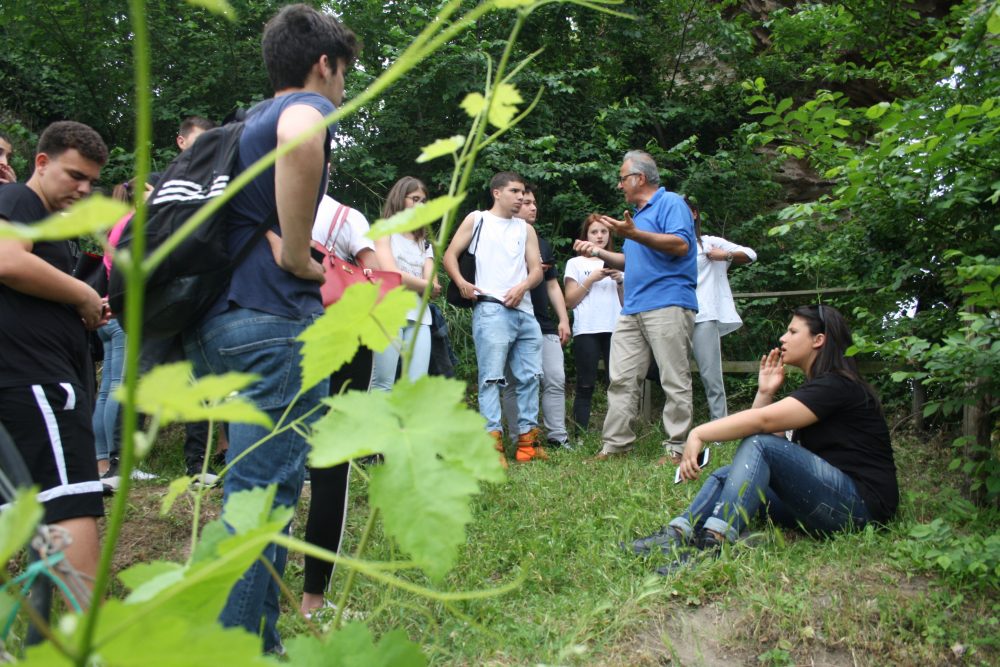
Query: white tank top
{"type": "Point", "coordinates": [500, 257]}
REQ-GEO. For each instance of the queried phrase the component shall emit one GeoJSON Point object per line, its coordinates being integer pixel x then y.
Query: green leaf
{"type": "Point", "coordinates": [474, 103]}
{"type": "Point", "coordinates": [441, 147]}
{"type": "Point", "coordinates": [176, 488]}
{"type": "Point", "coordinates": [436, 454]}
{"type": "Point", "coordinates": [357, 319]}
{"type": "Point", "coordinates": [220, 7]}
{"type": "Point", "coordinates": [172, 392]}
{"type": "Point", "coordinates": [251, 510]}
{"type": "Point", "coordinates": [90, 216]}
{"type": "Point", "coordinates": [503, 106]}
{"type": "Point", "coordinates": [143, 573]}
{"type": "Point", "coordinates": [419, 216]}
{"type": "Point", "coordinates": [783, 106]}
{"type": "Point", "coordinates": [18, 521]}
{"type": "Point", "coordinates": [512, 4]}
{"type": "Point", "coordinates": [993, 22]}
{"type": "Point", "coordinates": [354, 646]}
{"type": "Point", "coordinates": [877, 110]}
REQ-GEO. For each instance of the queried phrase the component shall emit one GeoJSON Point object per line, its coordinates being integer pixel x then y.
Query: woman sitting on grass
{"type": "Point", "coordinates": [837, 471]}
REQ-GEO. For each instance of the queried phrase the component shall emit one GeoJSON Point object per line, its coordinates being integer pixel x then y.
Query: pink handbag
{"type": "Point", "coordinates": [341, 274]}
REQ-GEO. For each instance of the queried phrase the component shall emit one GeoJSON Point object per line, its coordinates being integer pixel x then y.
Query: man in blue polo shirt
{"type": "Point", "coordinates": [657, 318]}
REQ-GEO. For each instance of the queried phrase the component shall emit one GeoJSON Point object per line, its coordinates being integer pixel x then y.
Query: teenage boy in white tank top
{"type": "Point", "coordinates": [504, 328]}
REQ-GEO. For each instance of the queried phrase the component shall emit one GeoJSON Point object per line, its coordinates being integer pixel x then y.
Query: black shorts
{"type": "Point", "coordinates": [52, 428]}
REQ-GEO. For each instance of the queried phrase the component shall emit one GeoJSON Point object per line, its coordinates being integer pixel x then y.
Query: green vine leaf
{"type": "Point", "coordinates": [436, 455]}
{"type": "Point", "coordinates": [354, 645]}
{"type": "Point", "coordinates": [90, 216]}
{"type": "Point", "coordinates": [474, 103]}
{"type": "Point", "coordinates": [503, 108]}
{"type": "Point", "coordinates": [440, 147]}
{"type": "Point", "coordinates": [512, 4]}
{"type": "Point", "coordinates": [414, 218]}
{"type": "Point", "coordinates": [220, 7]}
{"type": "Point", "coordinates": [18, 521]}
{"type": "Point", "coordinates": [173, 393]}
{"type": "Point", "coordinates": [357, 319]}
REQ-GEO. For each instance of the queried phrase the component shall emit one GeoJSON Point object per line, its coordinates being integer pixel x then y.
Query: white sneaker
{"type": "Point", "coordinates": [205, 480]}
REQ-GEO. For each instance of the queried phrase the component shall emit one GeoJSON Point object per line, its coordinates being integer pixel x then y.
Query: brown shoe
{"type": "Point", "coordinates": [673, 458]}
{"type": "Point", "coordinates": [607, 456]}
{"type": "Point", "coordinates": [498, 445]}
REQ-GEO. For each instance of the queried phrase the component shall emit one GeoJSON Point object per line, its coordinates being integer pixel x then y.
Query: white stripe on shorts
{"type": "Point", "coordinates": [53, 428]}
{"type": "Point", "coordinates": [70, 396]}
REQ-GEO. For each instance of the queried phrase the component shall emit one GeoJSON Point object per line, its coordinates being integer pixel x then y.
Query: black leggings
{"type": "Point", "coordinates": [328, 503]}
{"type": "Point", "coordinates": [588, 350]}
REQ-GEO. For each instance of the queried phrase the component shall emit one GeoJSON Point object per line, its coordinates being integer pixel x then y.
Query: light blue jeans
{"type": "Point", "coordinates": [787, 481]}
{"type": "Point", "coordinates": [248, 341]}
{"type": "Point", "coordinates": [106, 409]}
{"type": "Point", "coordinates": [507, 336]}
{"type": "Point", "coordinates": [387, 362]}
{"type": "Point", "coordinates": [553, 394]}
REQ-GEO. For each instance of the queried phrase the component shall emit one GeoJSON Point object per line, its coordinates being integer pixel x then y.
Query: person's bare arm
{"type": "Point", "coordinates": [559, 305]}
{"type": "Point", "coordinates": [459, 242]}
{"type": "Point", "coordinates": [297, 179]}
{"type": "Point", "coordinates": [533, 258]}
{"type": "Point", "coordinates": [612, 260]}
{"type": "Point", "coordinates": [29, 274]}
{"type": "Point", "coordinates": [669, 244]}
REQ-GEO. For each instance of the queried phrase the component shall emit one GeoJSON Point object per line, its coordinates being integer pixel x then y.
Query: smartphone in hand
{"type": "Point", "coordinates": [702, 462]}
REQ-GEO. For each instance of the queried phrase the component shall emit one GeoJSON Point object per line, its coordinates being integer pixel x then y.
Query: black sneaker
{"type": "Point", "coordinates": [666, 539]}
{"type": "Point", "coordinates": [705, 547]}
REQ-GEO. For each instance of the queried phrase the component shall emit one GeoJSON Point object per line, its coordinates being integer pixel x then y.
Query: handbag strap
{"type": "Point", "coordinates": [339, 217]}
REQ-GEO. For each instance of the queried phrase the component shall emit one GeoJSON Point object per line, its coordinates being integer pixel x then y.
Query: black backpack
{"type": "Point", "coordinates": [190, 280]}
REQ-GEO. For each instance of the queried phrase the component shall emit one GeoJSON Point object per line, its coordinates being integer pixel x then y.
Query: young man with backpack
{"type": "Point", "coordinates": [504, 328]}
{"type": "Point", "coordinates": [273, 297]}
{"type": "Point", "coordinates": [46, 373]}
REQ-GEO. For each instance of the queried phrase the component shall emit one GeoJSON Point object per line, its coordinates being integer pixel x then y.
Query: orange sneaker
{"type": "Point", "coordinates": [498, 445]}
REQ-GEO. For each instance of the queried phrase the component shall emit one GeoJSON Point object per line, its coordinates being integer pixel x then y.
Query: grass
{"type": "Point", "coordinates": [582, 600]}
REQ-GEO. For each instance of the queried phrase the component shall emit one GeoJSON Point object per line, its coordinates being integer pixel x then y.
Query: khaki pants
{"type": "Point", "coordinates": [665, 334]}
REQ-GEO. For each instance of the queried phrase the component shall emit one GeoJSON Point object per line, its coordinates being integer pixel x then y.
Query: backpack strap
{"type": "Point", "coordinates": [475, 233]}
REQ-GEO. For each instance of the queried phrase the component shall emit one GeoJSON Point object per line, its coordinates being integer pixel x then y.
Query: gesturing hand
{"type": "Point", "coordinates": [772, 373]}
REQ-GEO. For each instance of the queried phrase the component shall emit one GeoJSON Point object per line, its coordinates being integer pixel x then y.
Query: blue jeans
{"type": "Point", "coordinates": [249, 341]}
{"type": "Point", "coordinates": [788, 482]}
{"type": "Point", "coordinates": [507, 336]}
{"type": "Point", "coordinates": [106, 409]}
{"type": "Point", "coordinates": [387, 361]}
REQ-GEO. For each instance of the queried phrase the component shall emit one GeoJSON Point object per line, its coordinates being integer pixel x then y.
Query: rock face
{"type": "Point", "coordinates": [801, 183]}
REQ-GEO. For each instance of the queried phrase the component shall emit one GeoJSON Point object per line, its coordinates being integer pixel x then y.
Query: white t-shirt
{"type": "Point", "coordinates": [598, 311]}
{"type": "Point", "coordinates": [715, 298]}
{"type": "Point", "coordinates": [351, 240]}
{"type": "Point", "coordinates": [500, 260]}
{"type": "Point", "coordinates": [410, 257]}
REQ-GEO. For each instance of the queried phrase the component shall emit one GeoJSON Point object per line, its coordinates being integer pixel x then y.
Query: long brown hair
{"type": "Point", "coordinates": [585, 227]}
{"type": "Point", "coordinates": [395, 201]}
{"type": "Point", "coordinates": [830, 358]}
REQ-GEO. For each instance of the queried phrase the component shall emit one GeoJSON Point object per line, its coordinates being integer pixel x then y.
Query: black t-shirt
{"type": "Point", "coordinates": [852, 436]}
{"type": "Point", "coordinates": [540, 293]}
{"type": "Point", "coordinates": [40, 341]}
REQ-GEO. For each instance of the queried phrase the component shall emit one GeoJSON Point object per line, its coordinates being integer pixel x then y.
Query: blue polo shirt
{"type": "Point", "coordinates": [654, 279]}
